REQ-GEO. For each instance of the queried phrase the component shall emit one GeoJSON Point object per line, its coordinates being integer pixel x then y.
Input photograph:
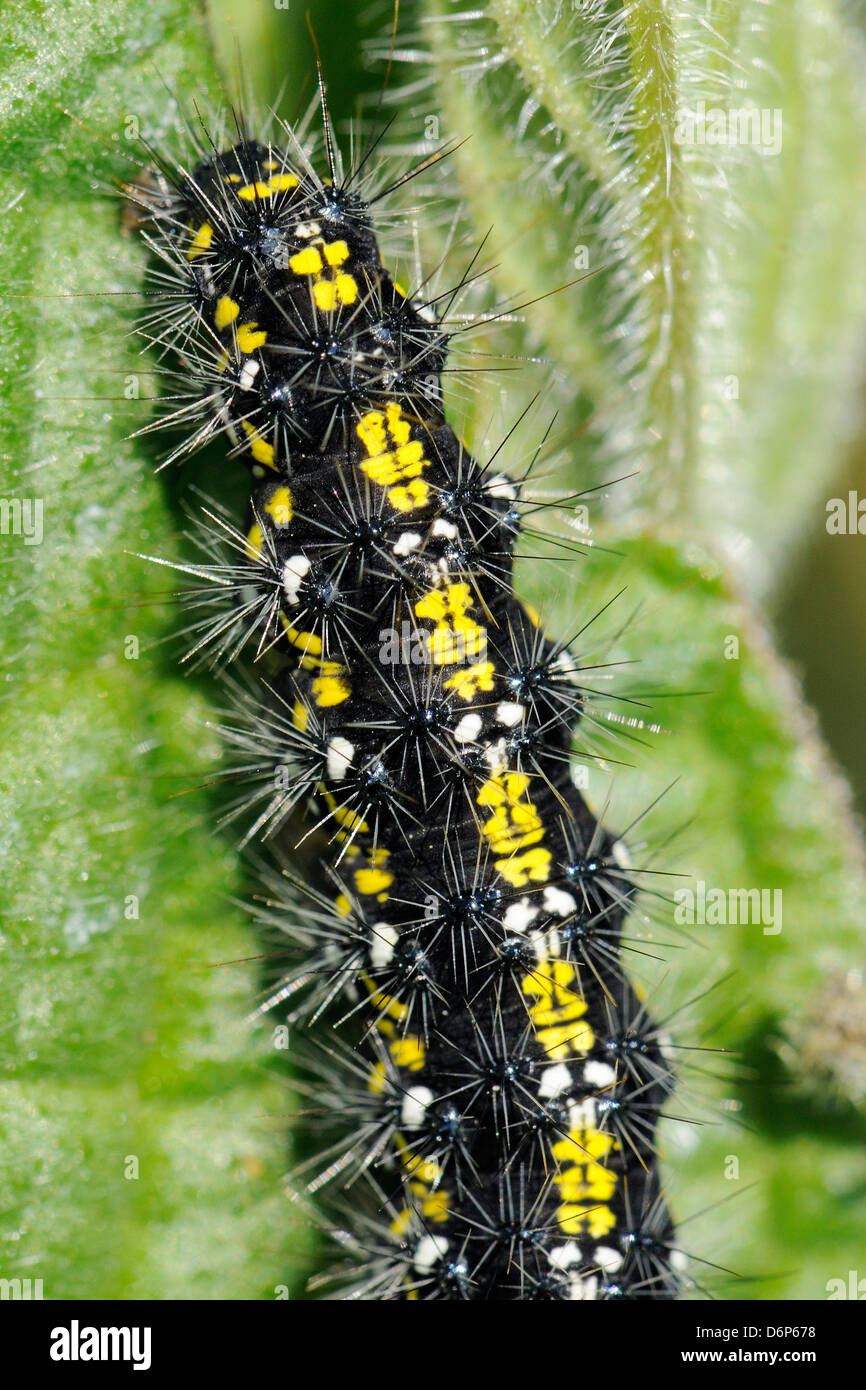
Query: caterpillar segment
{"type": "Point", "coordinates": [498, 1078]}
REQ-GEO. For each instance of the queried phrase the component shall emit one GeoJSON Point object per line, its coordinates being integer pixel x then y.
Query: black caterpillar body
{"type": "Point", "coordinates": [496, 1092]}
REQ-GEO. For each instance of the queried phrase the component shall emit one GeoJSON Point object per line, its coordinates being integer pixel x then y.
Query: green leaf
{"type": "Point", "coordinates": [142, 1137]}
{"type": "Point", "coordinates": [714, 349]}
{"type": "Point", "coordinates": [714, 345]}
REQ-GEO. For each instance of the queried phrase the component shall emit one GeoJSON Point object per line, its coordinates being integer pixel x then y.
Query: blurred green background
{"type": "Point", "coordinates": [143, 1129]}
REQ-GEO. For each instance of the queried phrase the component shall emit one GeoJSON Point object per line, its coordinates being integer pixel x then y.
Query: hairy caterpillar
{"type": "Point", "coordinates": [499, 1081]}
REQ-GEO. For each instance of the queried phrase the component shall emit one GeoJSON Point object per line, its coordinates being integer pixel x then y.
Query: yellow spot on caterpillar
{"type": "Point", "coordinates": [300, 715]}
{"type": "Point", "coordinates": [425, 1174]}
{"type": "Point", "coordinates": [369, 881]}
{"type": "Point", "coordinates": [261, 450]}
{"type": "Point", "coordinates": [343, 814]}
{"type": "Point", "coordinates": [374, 878]}
{"type": "Point", "coordinates": [456, 636]}
{"type": "Point", "coordinates": [254, 542]}
{"type": "Point", "coordinates": [324, 667]}
{"type": "Point", "coordinates": [330, 690]}
{"type": "Point", "coordinates": [279, 506]}
{"type": "Point", "coordinates": [406, 462]}
{"type": "Point", "coordinates": [226, 311]}
{"type": "Point", "coordinates": [598, 1220]}
{"type": "Point", "coordinates": [350, 819]}
{"type": "Point", "coordinates": [558, 1009]}
{"type": "Point", "coordinates": [277, 183]}
{"type": "Point", "coordinates": [387, 1006]}
{"type": "Point", "coordinates": [400, 289]}
{"type": "Point", "coordinates": [336, 252]}
{"type": "Point", "coordinates": [250, 337]}
{"type": "Point", "coordinates": [435, 1206]}
{"type": "Point", "coordinates": [472, 681]}
{"type": "Point", "coordinates": [201, 241]}
{"type": "Point", "coordinates": [515, 822]}
{"type": "Point", "coordinates": [371, 429]}
{"type": "Point", "coordinates": [531, 866]}
{"type": "Point", "coordinates": [531, 613]}
{"type": "Point", "coordinates": [327, 294]}
{"type": "Point", "coordinates": [411, 497]}
{"type": "Point", "coordinates": [306, 262]}
{"type": "Point", "coordinates": [402, 1221]}
{"type": "Point", "coordinates": [395, 460]}
{"type": "Point", "coordinates": [307, 642]}
{"type": "Point", "coordinates": [408, 1052]}
{"type": "Point", "coordinates": [585, 1184]}
{"type": "Point", "coordinates": [426, 1170]}
{"type": "Point", "coordinates": [342, 905]}
{"type": "Point", "coordinates": [328, 290]}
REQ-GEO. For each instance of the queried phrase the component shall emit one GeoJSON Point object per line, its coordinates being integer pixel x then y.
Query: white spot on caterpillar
{"type": "Point", "coordinates": [468, 728]}
{"type": "Point", "coordinates": [249, 372]}
{"type": "Point", "coordinates": [564, 1256]}
{"type": "Point", "coordinates": [496, 755]}
{"type": "Point", "coordinates": [579, 774]}
{"type": "Point", "coordinates": [500, 486]}
{"type": "Point", "coordinates": [406, 543]}
{"type": "Point", "coordinates": [558, 902]}
{"type": "Point", "coordinates": [510, 713]}
{"type": "Point", "coordinates": [384, 941]}
{"type": "Point", "coordinates": [552, 943]}
{"type": "Point", "coordinates": [554, 1080]}
{"type": "Point", "coordinates": [428, 1250]}
{"type": "Point", "coordinates": [441, 527]}
{"type": "Point", "coordinates": [305, 230]}
{"type": "Point", "coordinates": [619, 851]}
{"type": "Point", "coordinates": [607, 1258]}
{"type": "Point", "coordinates": [679, 1260]}
{"type": "Point", "coordinates": [415, 1103]}
{"type": "Point", "coordinates": [518, 916]}
{"type": "Point", "coordinates": [339, 757]}
{"type": "Point", "coordinates": [295, 571]}
{"type": "Point", "coordinates": [566, 664]}
{"type": "Point", "coordinates": [582, 1114]}
{"type": "Point", "coordinates": [583, 1290]}
{"type": "Point", "coordinates": [539, 945]}
{"type": "Point", "coordinates": [546, 945]}
{"type": "Point", "coordinates": [599, 1074]}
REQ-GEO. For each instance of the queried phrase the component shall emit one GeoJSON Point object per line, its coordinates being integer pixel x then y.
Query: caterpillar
{"type": "Point", "coordinates": [496, 1082]}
